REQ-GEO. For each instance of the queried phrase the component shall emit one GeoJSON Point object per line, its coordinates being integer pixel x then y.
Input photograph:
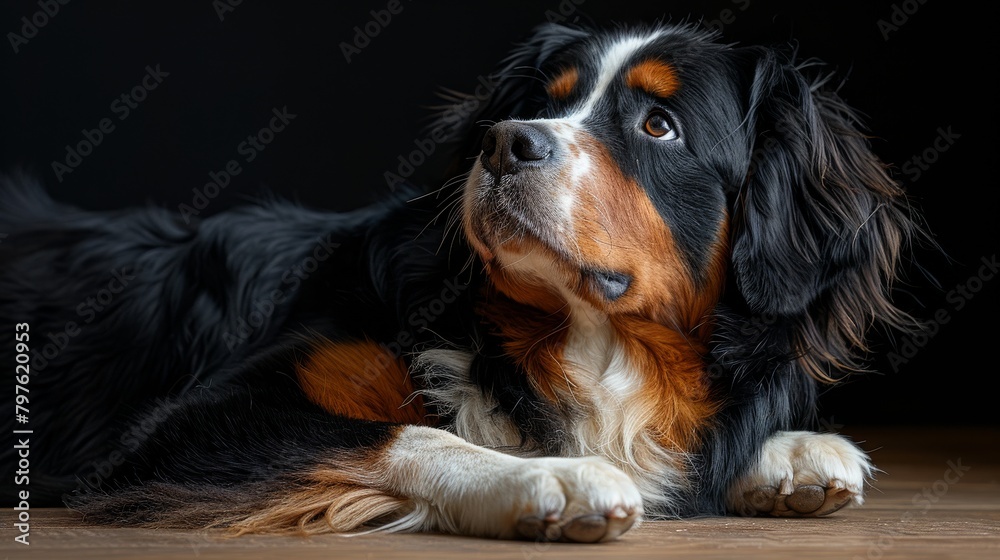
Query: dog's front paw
{"type": "Point", "coordinates": [573, 499]}
{"type": "Point", "coordinates": [802, 474]}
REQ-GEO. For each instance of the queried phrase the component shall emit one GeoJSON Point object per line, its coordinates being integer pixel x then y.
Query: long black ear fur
{"type": "Point", "coordinates": [819, 224]}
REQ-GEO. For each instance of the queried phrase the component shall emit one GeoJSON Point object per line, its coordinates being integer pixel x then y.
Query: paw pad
{"type": "Point", "coordinates": [588, 528]}
{"type": "Point", "coordinates": [808, 500]}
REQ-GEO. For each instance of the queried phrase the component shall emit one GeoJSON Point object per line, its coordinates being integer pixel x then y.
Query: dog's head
{"type": "Point", "coordinates": [654, 173]}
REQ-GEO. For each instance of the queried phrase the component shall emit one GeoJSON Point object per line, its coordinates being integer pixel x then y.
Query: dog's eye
{"type": "Point", "coordinates": [659, 125]}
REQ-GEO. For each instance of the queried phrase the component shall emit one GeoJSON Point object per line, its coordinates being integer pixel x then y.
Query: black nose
{"type": "Point", "coordinates": [511, 146]}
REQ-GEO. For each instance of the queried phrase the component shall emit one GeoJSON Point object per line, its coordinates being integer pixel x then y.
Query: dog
{"type": "Point", "coordinates": [621, 307]}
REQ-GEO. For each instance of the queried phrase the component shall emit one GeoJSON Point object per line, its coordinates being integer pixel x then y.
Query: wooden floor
{"type": "Point", "coordinates": [939, 497]}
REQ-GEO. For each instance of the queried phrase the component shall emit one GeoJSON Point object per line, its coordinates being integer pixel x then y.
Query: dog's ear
{"type": "Point", "coordinates": [515, 89]}
{"type": "Point", "coordinates": [819, 225]}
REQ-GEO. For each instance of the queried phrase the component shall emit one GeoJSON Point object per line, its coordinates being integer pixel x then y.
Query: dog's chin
{"type": "Point", "coordinates": [506, 231]}
{"type": "Point", "coordinates": [503, 217]}
{"type": "Point", "coordinates": [522, 237]}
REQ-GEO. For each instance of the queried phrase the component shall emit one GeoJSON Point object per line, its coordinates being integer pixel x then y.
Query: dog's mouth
{"type": "Point", "coordinates": [518, 223]}
{"type": "Point", "coordinates": [609, 284]}
{"type": "Point", "coordinates": [504, 212]}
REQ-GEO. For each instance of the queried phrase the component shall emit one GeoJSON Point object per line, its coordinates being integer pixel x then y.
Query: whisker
{"type": "Point", "coordinates": [458, 178]}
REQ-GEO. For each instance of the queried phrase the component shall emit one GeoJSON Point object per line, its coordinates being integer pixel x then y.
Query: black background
{"type": "Point", "coordinates": [353, 119]}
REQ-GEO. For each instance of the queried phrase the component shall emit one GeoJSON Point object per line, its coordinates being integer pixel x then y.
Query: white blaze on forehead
{"type": "Point", "coordinates": [614, 57]}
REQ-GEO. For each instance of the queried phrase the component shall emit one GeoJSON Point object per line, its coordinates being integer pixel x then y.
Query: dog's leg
{"type": "Point", "coordinates": [470, 490]}
{"type": "Point", "coordinates": [802, 474]}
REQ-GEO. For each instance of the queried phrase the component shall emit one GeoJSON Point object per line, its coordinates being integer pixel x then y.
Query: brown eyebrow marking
{"type": "Point", "coordinates": [655, 77]}
{"type": "Point", "coordinates": [563, 84]}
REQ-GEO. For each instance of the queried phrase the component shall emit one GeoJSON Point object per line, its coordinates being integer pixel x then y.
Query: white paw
{"type": "Point", "coordinates": [802, 474]}
{"type": "Point", "coordinates": [581, 499]}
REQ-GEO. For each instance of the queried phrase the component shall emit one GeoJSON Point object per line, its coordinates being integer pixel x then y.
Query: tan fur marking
{"type": "Point", "coordinates": [563, 84]}
{"type": "Point", "coordinates": [655, 77]}
{"type": "Point", "coordinates": [360, 379]}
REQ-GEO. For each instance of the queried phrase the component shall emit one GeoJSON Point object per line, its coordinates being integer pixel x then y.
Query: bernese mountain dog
{"type": "Point", "coordinates": [620, 308]}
